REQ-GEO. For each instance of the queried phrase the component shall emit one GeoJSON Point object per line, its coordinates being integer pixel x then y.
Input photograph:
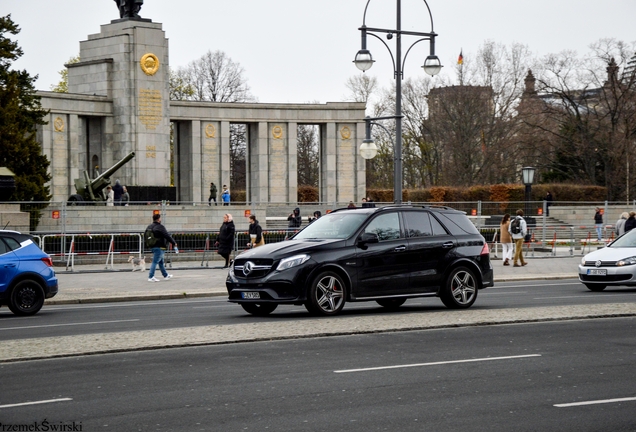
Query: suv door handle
{"type": "Point", "coordinates": [447, 245]}
{"type": "Point", "coordinates": [399, 249]}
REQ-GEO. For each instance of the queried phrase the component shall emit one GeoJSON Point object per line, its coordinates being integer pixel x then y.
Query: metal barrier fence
{"type": "Point", "coordinates": [37, 211]}
{"type": "Point", "coordinates": [108, 248]}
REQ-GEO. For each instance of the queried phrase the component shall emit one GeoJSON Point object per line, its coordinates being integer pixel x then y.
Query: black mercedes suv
{"type": "Point", "coordinates": [387, 255]}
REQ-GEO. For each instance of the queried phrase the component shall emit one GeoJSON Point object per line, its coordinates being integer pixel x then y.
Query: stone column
{"type": "Point", "coordinates": [210, 158]}
{"type": "Point", "coordinates": [328, 166]}
{"type": "Point", "coordinates": [292, 162]}
{"type": "Point", "coordinates": [258, 168]}
{"type": "Point", "coordinates": [225, 157]}
{"type": "Point", "coordinates": [278, 163]}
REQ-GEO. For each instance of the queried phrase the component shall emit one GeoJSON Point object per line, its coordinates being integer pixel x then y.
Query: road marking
{"type": "Point", "coordinates": [36, 402]}
{"type": "Point", "coordinates": [522, 285]}
{"type": "Point", "coordinates": [69, 324]}
{"type": "Point", "coordinates": [505, 292]}
{"type": "Point", "coordinates": [602, 401]}
{"type": "Point", "coordinates": [167, 302]}
{"type": "Point", "coordinates": [437, 363]}
{"type": "Point", "coordinates": [590, 296]}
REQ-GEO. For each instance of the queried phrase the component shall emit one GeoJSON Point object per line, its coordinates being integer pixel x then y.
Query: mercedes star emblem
{"type": "Point", "coordinates": [247, 268]}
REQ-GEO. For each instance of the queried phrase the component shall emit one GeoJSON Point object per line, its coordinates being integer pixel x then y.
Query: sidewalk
{"type": "Point", "coordinates": [95, 284]}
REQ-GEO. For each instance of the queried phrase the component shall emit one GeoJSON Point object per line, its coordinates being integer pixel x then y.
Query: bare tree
{"type": "Point", "coordinates": [215, 77]}
{"type": "Point", "coordinates": [361, 87]}
{"type": "Point", "coordinates": [589, 116]}
{"type": "Point", "coordinates": [308, 155]}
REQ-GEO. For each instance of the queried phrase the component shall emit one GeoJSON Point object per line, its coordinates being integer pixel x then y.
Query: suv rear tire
{"type": "Point", "coordinates": [460, 290]}
{"type": "Point", "coordinates": [27, 298]}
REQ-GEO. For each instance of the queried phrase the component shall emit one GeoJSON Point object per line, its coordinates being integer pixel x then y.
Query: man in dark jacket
{"type": "Point", "coordinates": [294, 219]}
{"type": "Point", "coordinates": [212, 194]}
{"type": "Point", "coordinates": [118, 189]}
{"type": "Point", "coordinates": [159, 248]}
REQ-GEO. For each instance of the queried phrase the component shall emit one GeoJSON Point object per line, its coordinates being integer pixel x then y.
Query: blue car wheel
{"type": "Point", "coordinates": [27, 298]}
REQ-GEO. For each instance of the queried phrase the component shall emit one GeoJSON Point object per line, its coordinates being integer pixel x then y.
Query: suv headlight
{"type": "Point", "coordinates": [290, 262]}
{"type": "Point", "coordinates": [626, 261]}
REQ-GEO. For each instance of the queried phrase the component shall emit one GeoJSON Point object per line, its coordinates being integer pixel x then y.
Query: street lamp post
{"type": "Point", "coordinates": [527, 176]}
{"type": "Point", "coordinates": [364, 61]}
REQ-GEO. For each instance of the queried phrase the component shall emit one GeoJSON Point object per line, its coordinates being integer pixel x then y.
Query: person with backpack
{"type": "Point", "coordinates": [157, 238]}
{"type": "Point", "coordinates": [518, 230]}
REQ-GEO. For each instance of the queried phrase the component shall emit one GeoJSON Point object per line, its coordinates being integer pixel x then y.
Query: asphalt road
{"type": "Point", "coordinates": [68, 320]}
{"type": "Point", "coordinates": [566, 376]}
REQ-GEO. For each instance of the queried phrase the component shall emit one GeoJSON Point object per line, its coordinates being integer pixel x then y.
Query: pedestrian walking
{"type": "Point", "coordinates": [518, 230]}
{"type": "Point", "coordinates": [118, 191]}
{"type": "Point", "coordinates": [598, 222]}
{"type": "Point", "coordinates": [110, 197]}
{"type": "Point", "coordinates": [548, 203]}
{"type": "Point", "coordinates": [225, 240]}
{"type": "Point", "coordinates": [225, 196]}
{"type": "Point", "coordinates": [161, 240]}
{"type": "Point", "coordinates": [620, 224]}
{"type": "Point", "coordinates": [630, 223]}
{"type": "Point", "coordinates": [256, 233]}
{"type": "Point", "coordinates": [212, 194]}
{"type": "Point", "coordinates": [125, 197]}
{"type": "Point", "coordinates": [506, 239]}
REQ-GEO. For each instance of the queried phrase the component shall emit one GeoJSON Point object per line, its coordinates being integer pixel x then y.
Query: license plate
{"type": "Point", "coordinates": [597, 272]}
{"type": "Point", "coordinates": [251, 295]}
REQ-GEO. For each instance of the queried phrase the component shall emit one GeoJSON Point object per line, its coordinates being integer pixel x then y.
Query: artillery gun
{"type": "Point", "coordinates": [93, 190]}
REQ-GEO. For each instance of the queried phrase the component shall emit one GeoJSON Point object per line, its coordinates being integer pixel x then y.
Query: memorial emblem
{"type": "Point", "coordinates": [58, 124]}
{"type": "Point", "coordinates": [210, 131]}
{"type": "Point", "coordinates": [277, 132]}
{"type": "Point", "coordinates": [345, 133]}
{"type": "Point", "coordinates": [149, 64]}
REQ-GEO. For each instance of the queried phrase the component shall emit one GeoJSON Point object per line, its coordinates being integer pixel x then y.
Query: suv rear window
{"type": "Point", "coordinates": [457, 223]}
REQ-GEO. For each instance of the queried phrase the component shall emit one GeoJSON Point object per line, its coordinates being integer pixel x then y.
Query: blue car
{"type": "Point", "coordinates": [26, 274]}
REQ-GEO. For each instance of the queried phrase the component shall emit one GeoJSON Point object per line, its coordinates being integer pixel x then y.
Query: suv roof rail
{"type": "Point", "coordinates": [439, 207]}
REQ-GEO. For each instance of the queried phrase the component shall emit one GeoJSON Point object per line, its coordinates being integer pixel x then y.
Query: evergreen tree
{"type": "Point", "coordinates": [20, 113]}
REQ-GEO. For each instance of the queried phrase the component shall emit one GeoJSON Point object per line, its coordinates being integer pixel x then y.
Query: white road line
{"type": "Point", "coordinates": [69, 324]}
{"type": "Point", "coordinates": [131, 304]}
{"type": "Point", "coordinates": [500, 293]}
{"type": "Point", "coordinates": [590, 296]}
{"type": "Point", "coordinates": [437, 363]}
{"type": "Point", "coordinates": [36, 402]}
{"type": "Point", "coordinates": [602, 401]}
{"type": "Point", "coordinates": [522, 285]}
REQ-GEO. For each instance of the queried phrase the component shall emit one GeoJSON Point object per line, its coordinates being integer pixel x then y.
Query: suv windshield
{"type": "Point", "coordinates": [333, 226]}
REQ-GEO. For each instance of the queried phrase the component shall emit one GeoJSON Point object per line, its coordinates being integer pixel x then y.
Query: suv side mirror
{"type": "Point", "coordinates": [367, 238]}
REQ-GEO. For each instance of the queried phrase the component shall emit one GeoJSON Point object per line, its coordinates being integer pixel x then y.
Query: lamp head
{"type": "Point", "coordinates": [368, 149]}
{"type": "Point", "coordinates": [363, 60]}
{"type": "Point", "coordinates": [432, 65]}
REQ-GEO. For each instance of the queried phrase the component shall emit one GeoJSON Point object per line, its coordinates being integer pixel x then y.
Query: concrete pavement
{"type": "Point", "coordinates": [93, 283]}
{"type": "Point", "coordinates": [124, 285]}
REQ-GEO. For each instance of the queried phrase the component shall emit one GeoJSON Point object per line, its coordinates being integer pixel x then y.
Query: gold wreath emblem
{"type": "Point", "coordinates": [345, 133]}
{"type": "Point", "coordinates": [210, 130]}
{"type": "Point", "coordinates": [149, 64]}
{"type": "Point", "coordinates": [58, 124]}
{"type": "Point", "coordinates": [277, 132]}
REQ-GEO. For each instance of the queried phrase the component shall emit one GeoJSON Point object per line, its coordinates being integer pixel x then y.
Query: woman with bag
{"type": "Point", "coordinates": [506, 239]}
{"type": "Point", "coordinates": [225, 240]}
{"type": "Point", "coordinates": [256, 233]}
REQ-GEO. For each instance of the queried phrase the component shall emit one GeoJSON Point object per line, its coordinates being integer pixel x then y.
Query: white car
{"type": "Point", "coordinates": [613, 265]}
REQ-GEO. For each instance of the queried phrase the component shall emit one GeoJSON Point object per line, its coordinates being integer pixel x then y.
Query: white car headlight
{"type": "Point", "coordinates": [626, 261]}
{"type": "Point", "coordinates": [292, 262]}
{"type": "Point", "coordinates": [583, 261]}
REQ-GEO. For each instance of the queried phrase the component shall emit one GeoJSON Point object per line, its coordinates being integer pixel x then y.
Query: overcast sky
{"type": "Point", "coordinates": [302, 51]}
